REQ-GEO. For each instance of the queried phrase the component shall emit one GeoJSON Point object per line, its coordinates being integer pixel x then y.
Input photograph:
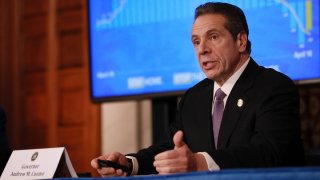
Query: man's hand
{"type": "Point", "coordinates": [109, 171]}
{"type": "Point", "coordinates": [180, 159]}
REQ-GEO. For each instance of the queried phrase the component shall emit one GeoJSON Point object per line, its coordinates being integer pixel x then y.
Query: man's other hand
{"type": "Point", "coordinates": [109, 171]}
{"type": "Point", "coordinates": [180, 159]}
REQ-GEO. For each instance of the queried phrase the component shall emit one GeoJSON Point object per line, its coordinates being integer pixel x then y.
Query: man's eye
{"type": "Point", "coordinates": [195, 42]}
{"type": "Point", "coordinates": [214, 37]}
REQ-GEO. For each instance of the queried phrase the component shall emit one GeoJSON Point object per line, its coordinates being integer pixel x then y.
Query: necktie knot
{"type": "Point", "coordinates": [220, 95]}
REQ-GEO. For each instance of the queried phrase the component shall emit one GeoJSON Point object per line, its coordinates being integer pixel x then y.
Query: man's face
{"type": "Point", "coordinates": [219, 55]}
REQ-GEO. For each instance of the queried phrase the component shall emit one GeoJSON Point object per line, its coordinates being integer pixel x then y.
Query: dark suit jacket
{"type": "Point", "coordinates": [4, 148]}
{"type": "Point", "coordinates": [263, 132]}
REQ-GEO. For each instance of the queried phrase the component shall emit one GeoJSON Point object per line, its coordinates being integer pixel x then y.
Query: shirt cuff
{"type": "Point", "coordinates": [135, 165]}
{"type": "Point", "coordinates": [212, 165]}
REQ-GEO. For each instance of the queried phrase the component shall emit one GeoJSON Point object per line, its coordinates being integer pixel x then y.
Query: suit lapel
{"type": "Point", "coordinates": [206, 124]}
{"type": "Point", "coordinates": [236, 103]}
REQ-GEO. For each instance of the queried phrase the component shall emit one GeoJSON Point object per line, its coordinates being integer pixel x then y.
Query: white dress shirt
{"type": "Point", "coordinates": [226, 88]}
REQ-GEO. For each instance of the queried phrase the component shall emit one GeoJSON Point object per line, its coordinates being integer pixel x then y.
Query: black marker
{"type": "Point", "coordinates": [107, 163]}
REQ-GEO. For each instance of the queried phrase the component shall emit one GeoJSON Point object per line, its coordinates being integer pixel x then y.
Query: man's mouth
{"type": "Point", "coordinates": [209, 64]}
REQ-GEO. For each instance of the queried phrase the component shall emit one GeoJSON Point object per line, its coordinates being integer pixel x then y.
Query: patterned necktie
{"type": "Point", "coordinates": [217, 114]}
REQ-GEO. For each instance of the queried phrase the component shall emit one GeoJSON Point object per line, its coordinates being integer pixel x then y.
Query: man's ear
{"type": "Point", "coordinates": [242, 40]}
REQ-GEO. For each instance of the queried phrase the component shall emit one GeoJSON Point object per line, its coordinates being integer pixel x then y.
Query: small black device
{"type": "Point", "coordinates": [107, 163]}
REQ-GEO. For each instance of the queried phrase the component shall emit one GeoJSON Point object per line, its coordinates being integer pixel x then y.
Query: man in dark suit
{"type": "Point", "coordinates": [260, 123]}
{"type": "Point", "coordinates": [4, 148]}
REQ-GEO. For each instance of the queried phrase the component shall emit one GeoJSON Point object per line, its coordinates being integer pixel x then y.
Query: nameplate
{"type": "Point", "coordinates": [45, 163]}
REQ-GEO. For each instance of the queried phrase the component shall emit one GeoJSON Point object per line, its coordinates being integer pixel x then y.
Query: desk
{"type": "Point", "coordinates": [231, 174]}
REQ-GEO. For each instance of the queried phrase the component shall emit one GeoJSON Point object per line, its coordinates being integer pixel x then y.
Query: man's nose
{"type": "Point", "coordinates": [203, 48]}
